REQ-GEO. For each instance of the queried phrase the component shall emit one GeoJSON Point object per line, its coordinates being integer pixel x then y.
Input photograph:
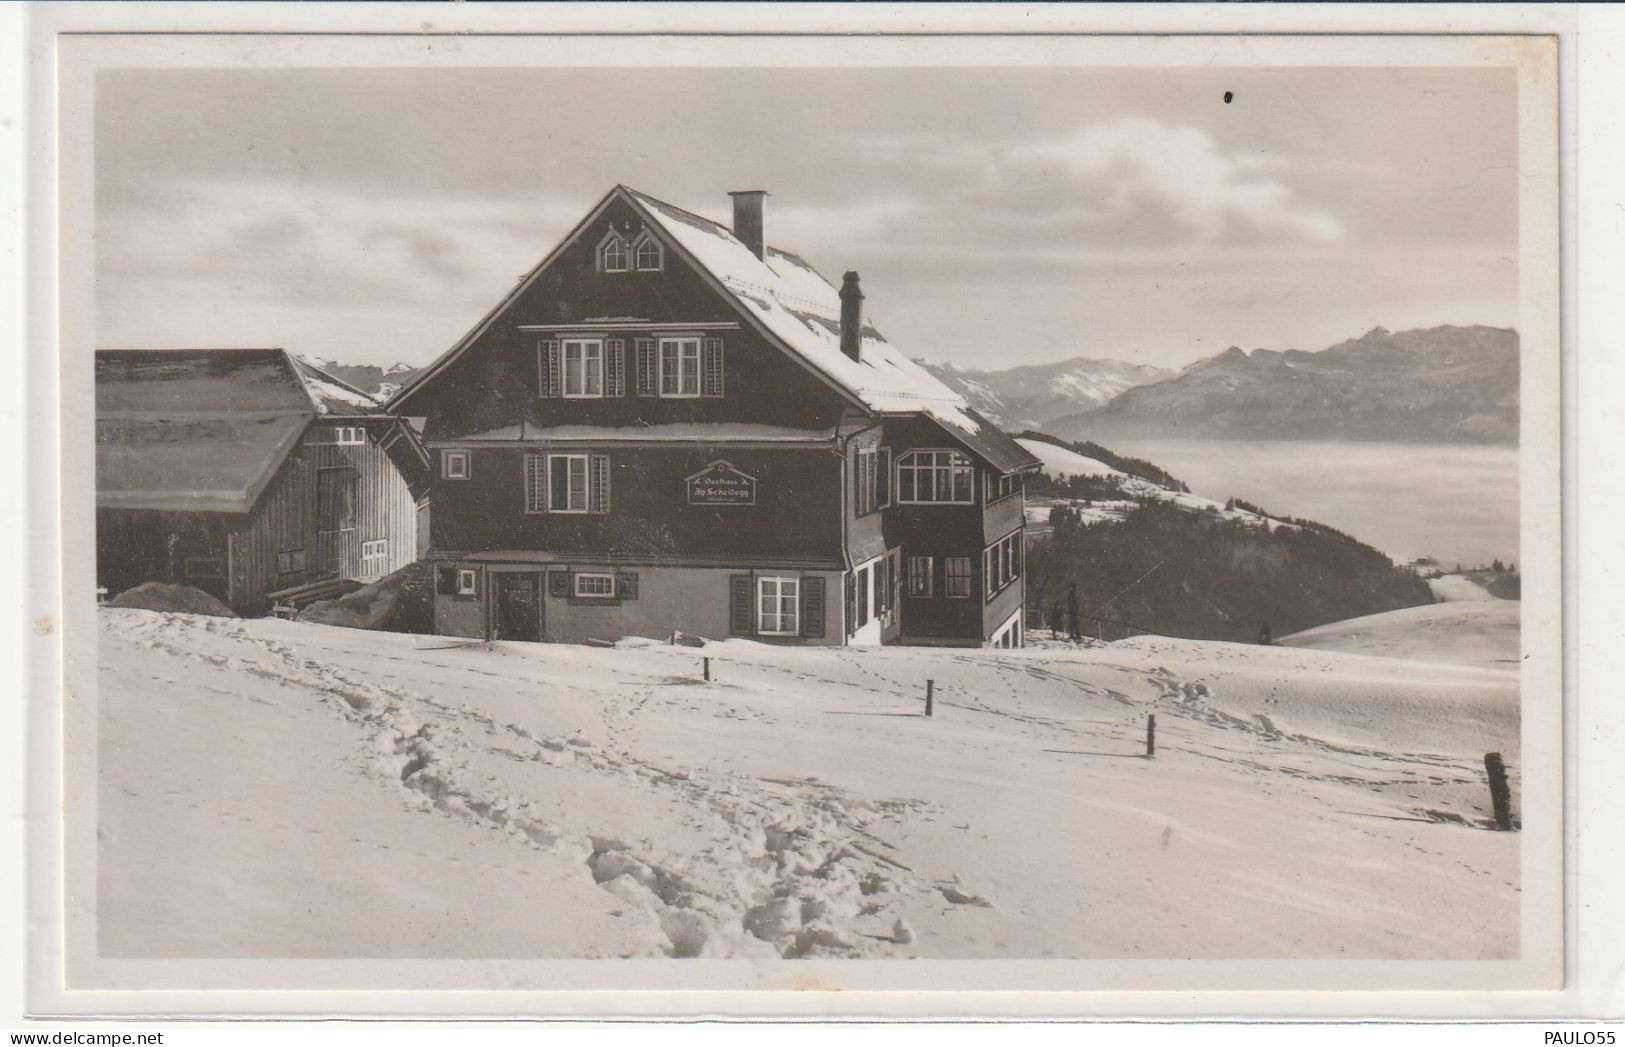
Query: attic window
{"type": "Point", "coordinates": [647, 254]}
{"type": "Point", "coordinates": [612, 254]}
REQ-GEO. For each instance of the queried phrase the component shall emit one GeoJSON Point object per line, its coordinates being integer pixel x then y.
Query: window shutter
{"type": "Point", "coordinates": [883, 479]}
{"type": "Point", "coordinates": [548, 383]}
{"type": "Point", "coordinates": [535, 483]}
{"type": "Point", "coordinates": [711, 369]}
{"type": "Point", "coordinates": [615, 367]}
{"type": "Point", "coordinates": [446, 581]}
{"type": "Point", "coordinates": [812, 607]}
{"type": "Point", "coordinates": [741, 606]}
{"type": "Point", "coordinates": [598, 497]}
{"type": "Point", "coordinates": [558, 583]}
{"type": "Point", "coordinates": [626, 585]}
{"type": "Point", "coordinates": [647, 376]}
{"type": "Point", "coordinates": [851, 602]}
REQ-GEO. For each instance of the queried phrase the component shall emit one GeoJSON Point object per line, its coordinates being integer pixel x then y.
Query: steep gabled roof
{"type": "Point", "coordinates": [205, 430]}
{"type": "Point", "coordinates": [796, 307]}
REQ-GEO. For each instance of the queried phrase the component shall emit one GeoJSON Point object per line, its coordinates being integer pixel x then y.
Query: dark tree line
{"type": "Point", "coordinates": [1133, 466]}
{"type": "Point", "coordinates": [1202, 576]}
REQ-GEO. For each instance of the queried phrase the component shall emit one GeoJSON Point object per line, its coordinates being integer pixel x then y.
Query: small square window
{"type": "Point", "coordinates": [454, 465]}
{"type": "Point", "coordinates": [466, 582]}
{"type": "Point", "coordinates": [601, 586]}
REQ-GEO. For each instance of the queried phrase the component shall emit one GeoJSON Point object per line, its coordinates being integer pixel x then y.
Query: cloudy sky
{"type": "Point", "coordinates": [998, 216]}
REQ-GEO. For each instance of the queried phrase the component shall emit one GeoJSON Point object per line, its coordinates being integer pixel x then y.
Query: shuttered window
{"type": "Point", "coordinates": [583, 367]}
{"type": "Point", "coordinates": [741, 605]}
{"type": "Point", "coordinates": [615, 367]}
{"type": "Point", "coordinates": [713, 368]}
{"type": "Point", "coordinates": [547, 368]}
{"type": "Point", "coordinates": [647, 367]}
{"type": "Point", "coordinates": [812, 607]}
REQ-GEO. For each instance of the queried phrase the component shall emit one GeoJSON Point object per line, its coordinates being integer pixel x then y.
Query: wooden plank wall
{"type": "Point", "coordinates": [286, 519]}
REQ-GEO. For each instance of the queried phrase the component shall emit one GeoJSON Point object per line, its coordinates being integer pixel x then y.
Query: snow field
{"type": "Point", "coordinates": [285, 789]}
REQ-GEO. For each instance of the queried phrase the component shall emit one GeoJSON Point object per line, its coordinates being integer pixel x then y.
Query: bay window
{"type": "Point", "coordinates": [925, 477]}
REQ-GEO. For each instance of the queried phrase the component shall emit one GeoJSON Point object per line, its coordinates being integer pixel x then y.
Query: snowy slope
{"type": "Point", "coordinates": [1467, 632]}
{"type": "Point", "coordinates": [1063, 461]}
{"type": "Point", "coordinates": [1455, 587]}
{"type": "Point", "coordinates": [316, 791]}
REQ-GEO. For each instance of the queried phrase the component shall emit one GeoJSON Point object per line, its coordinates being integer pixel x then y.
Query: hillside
{"type": "Point", "coordinates": [320, 792]}
{"type": "Point", "coordinates": [1026, 397]}
{"type": "Point", "coordinates": [1176, 563]}
{"type": "Point", "coordinates": [1468, 632]}
{"type": "Point", "coordinates": [1441, 384]}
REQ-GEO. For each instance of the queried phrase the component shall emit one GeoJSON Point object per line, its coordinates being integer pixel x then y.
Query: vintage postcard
{"type": "Point", "coordinates": [988, 514]}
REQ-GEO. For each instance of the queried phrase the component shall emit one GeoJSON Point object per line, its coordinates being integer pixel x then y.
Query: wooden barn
{"type": "Point", "coordinates": [249, 474]}
{"type": "Point", "coordinates": [669, 426]}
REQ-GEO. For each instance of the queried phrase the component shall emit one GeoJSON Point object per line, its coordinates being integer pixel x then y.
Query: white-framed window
{"type": "Point", "coordinates": [454, 465]}
{"type": "Point", "coordinates": [872, 480]}
{"type": "Point", "coordinates": [343, 434]}
{"type": "Point", "coordinates": [679, 367]}
{"type": "Point", "coordinates": [956, 577]}
{"type": "Point", "coordinates": [920, 577]}
{"type": "Point", "coordinates": [778, 606]}
{"type": "Point", "coordinates": [612, 257]}
{"type": "Point", "coordinates": [647, 254]}
{"type": "Point", "coordinates": [1001, 563]}
{"type": "Point", "coordinates": [467, 581]}
{"type": "Point", "coordinates": [601, 586]}
{"type": "Point", "coordinates": [374, 557]}
{"type": "Point", "coordinates": [583, 367]}
{"type": "Point", "coordinates": [935, 477]}
{"type": "Point", "coordinates": [568, 489]}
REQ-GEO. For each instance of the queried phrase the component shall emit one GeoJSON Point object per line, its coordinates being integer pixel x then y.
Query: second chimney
{"type": "Point", "coordinates": [851, 316]}
{"type": "Point", "coordinates": [748, 218]}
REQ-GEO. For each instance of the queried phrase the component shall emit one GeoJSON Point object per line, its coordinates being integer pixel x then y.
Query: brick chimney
{"type": "Point", "coordinates": [851, 316]}
{"type": "Point", "coordinates": [748, 218]}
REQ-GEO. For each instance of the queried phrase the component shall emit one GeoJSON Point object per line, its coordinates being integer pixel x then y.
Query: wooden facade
{"type": "Point", "coordinates": [611, 423]}
{"type": "Point", "coordinates": [328, 503]}
{"type": "Point", "coordinates": [309, 482]}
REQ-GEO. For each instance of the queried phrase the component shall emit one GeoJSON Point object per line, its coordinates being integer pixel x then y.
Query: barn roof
{"type": "Point", "coordinates": [205, 430]}
{"type": "Point", "coordinates": [796, 305]}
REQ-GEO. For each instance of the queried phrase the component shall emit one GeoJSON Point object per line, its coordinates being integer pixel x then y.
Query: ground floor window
{"type": "Point", "coordinates": [374, 557]}
{"type": "Point", "coordinates": [778, 602]}
{"type": "Point", "coordinates": [956, 580]}
{"type": "Point", "coordinates": [599, 585]}
{"type": "Point", "coordinates": [466, 582]}
{"type": "Point", "coordinates": [919, 576]}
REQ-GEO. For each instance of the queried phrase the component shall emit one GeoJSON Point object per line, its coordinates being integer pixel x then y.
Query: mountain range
{"type": "Point", "coordinates": [1027, 397]}
{"type": "Point", "coordinates": [1434, 385]}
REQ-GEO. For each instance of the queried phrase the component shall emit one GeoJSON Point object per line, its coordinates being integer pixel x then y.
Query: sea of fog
{"type": "Point", "coordinates": [1453, 502]}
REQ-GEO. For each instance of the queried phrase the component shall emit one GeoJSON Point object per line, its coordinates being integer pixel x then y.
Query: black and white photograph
{"type": "Point", "coordinates": [701, 512]}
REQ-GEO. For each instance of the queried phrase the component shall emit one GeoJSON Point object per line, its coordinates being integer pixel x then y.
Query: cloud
{"type": "Point", "coordinates": [1138, 165]}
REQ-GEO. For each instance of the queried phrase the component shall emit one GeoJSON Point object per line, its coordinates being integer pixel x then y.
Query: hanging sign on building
{"type": "Point", "coordinates": [721, 484]}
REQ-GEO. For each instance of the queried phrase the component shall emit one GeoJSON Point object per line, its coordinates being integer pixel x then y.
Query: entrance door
{"type": "Point", "coordinates": [519, 607]}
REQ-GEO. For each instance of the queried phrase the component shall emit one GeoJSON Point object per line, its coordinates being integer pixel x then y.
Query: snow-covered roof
{"type": "Point", "coordinates": [795, 304]}
{"type": "Point", "coordinates": [205, 430]}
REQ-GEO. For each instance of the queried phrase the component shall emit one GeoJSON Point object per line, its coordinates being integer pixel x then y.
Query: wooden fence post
{"type": "Point", "coordinates": [930, 685]}
{"type": "Point", "coordinates": [1500, 795]}
{"type": "Point", "coordinates": [1150, 736]}
{"type": "Point", "coordinates": [707, 661]}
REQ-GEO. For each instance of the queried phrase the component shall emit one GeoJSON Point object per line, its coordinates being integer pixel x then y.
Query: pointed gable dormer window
{"type": "Point", "coordinates": [647, 254]}
{"type": "Point", "coordinates": [612, 257]}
